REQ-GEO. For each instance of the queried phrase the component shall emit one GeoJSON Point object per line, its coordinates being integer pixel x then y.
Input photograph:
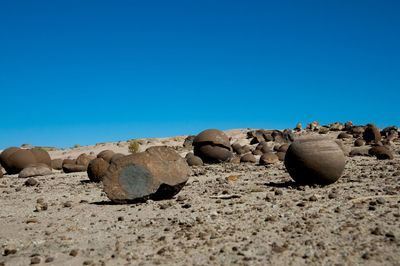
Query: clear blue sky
{"type": "Point", "coordinates": [95, 71]}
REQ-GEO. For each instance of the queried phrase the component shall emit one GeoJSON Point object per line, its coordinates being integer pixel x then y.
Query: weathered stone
{"type": "Point", "coordinates": [248, 158]}
{"type": "Point", "coordinates": [71, 168]}
{"type": "Point", "coordinates": [57, 164]}
{"type": "Point", "coordinates": [323, 130]}
{"type": "Point", "coordinates": [336, 126]}
{"type": "Point", "coordinates": [360, 151]}
{"type": "Point", "coordinates": [372, 134]}
{"type": "Point", "coordinates": [36, 169]}
{"type": "Point", "coordinates": [344, 136]}
{"type": "Point", "coordinates": [193, 160]}
{"type": "Point", "coordinates": [281, 155]}
{"type": "Point", "coordinates": [42, 156]}
{"type": "Point", "coordinates": [285, 136]}
{"type": "Point", "coordinates": [19, 160]}
{"type": "Point", "coordinates": [268, 158]}
{"type": "Point", "coordinates": [116, 156]}
{"type": "Point", "coordinates": [4, 158]}
{"type": "Point", "coordinates": [188, 142]}
{"type": "Point", "coordinates": [359, 142]}
{"type": "Point", "coordinates": [212, 146]}
{"type": "Point", "coordinates": [97, 169]}
{"type": "Point", "coordinates": [257, 152]}
{"type": "Point", "coordinates": [298, 127]}
{"type": "Point", "coordinates": [348, 126]}
{"type": "Point", "coordinates": [106, 155]}
{"type": "Point", "coordinates": [314, 160]}
{"type": "Point", "coordinates": [357, 131]}
{"type": "Point", "coordinates": [84, 159]}
{"type": "Point", "coordinates": [283, 147]}
{"type": "Point", "coordinates": [313, 126]}
{"type": "Point", "coordinates": [158, 173]}
{"type": "Point", "coordinates": [381, 153]}
{"type": "Point", "coordinates": [69, 161]}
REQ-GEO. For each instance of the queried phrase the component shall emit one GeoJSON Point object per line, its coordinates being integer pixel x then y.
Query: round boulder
{"type": "Point", "coordinates": [381, 153]}
{"type": "Point", "coordinates": [42, 156]}
{"type": "Point", "coordinates": [314, 160]}
{"type": "Point", "coordinates": [4, 158]}
{"type": "Point", "coordinates": [248, 158]}
{"type": "Point", "coordinates": [106, 155]}
{"type": "Point", "coordinates": [359, 142]}
{"type": "Point", "coordinates": [96, 169]}
{"type": "Point", "coordinates": [212, 146]}
{"type": "Point", "coordinates": [84, 159]}
{"type": "Point", "coordinates": [19, 160]}
{"type": "Point", "coordinates": [372, 134]}
{"type": "Point", "coordinates": [193, 160]}
{"type": "Point", "coordinates": [157, 173]}
{"type": "Point", "coordinates": [268, 158]}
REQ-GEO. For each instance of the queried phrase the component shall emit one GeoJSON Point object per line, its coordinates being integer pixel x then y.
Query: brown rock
{"type": "Point", "coordinates": [344, 136]}
{"type": "Point", "coordinates": [41, 156]}
{"type": "Point", "coordinates": [57, 164]}
{"type": "Point", "coordinates": [19, 160]}
{"type": "Point", "coordinates": [116, 156]}
{"type": "Point", "coordinates": [84, 159]}
{"type": "Point", "coordinates": [4, 158]}
{"type": "Point", "coordinates": [158, 173]}
{"type": "Point", "coordinates": [36, 169]}
{"type": "Point", "coordinates": [212, 146]}
{"type": "Point", "coordinates": [268, 158]}
{"type": "Point", "coordinates": [212, 136]}
{"type": "Point", "coordinates": [192, 160]}
{"type": "Point", "coordinates": [248, 158]}
{"type": "Point", "coordinates": [213, 154]}
{"type": "Point", "coordinates": [284, 147]}
{"type": "Point", "coordinates": [97, 169]}
{"type": "Point", "coordinates": [71, 168]}
{"type": "Point", "coordinates": [257, 152]}
{"type": "Point", "coordinates": [372, 134]}
{"type": "Point", "coordinates": [106, 155]}
{"type": "Point", "coordinates": [381, 153]}
{"type": "Point", "coordinates": [69, 161]}
{"type": "Point", "coordinates": [359, 142]}
{"type": "Point", "coordinates": [281, 155]}
{"type": "Point", "coordinates": [314, 160]}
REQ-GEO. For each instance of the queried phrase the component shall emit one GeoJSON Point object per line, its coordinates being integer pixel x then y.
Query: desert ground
{"type": "Point", "coordinates": [227, 213]}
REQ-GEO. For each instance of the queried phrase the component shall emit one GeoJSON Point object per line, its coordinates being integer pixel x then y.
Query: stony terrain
{"type": "Point", "coordinates": [228, 213]}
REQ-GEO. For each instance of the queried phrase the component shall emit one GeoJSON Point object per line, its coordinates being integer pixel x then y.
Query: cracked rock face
{"type": "Point", "coordinates": [314, 160]}
{"type": "Point", "coordinates": [212, 146]}
{"type": "Point", "coordinates": [157, 173]}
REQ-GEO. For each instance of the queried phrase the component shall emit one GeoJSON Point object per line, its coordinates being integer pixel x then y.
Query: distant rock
{"type": "Point", "coordinates": [84, 159]}
{"type": "Point", "coordinates": [72, 168]}
{"type": "Point", "coordinates": [381, 153]}
{"type": "Point", "coordinates": [248, 158]}
{"type": "Point", "coordinates": [268, 158]}
{"type": "Point", "coordinates": [372, 134]}
{"type": "Point", "coordinates": [212, 146]}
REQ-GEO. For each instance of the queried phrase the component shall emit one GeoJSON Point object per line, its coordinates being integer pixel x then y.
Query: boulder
{"type": "Point", "coordinates": [344, 135]}
{"type": "Point", "coordinates": [188, 142]}
{"type": "Point", "coordinates": [281, 155]}
{"type": "Point", "coordinates": [57, 164]}
{"type": "Point", "coordinates": [4, 158]}
{"type": "Point", "coordinates": [298, 127]}
{"type": "Point", "coordinates": [84, 159]}
{"type": "Point", "coordinates": [359, 151]}
{"type": "Point", "coordinates": [42, 156]}
{"type": "Point", "coordinates": [36, 169]}
{"type": "Point", "coordinates": [359, 142]}
{"type": "Point", "coordinates": [268, 158]}
{"type": "Point", "coordinates": [193, 160]}
{"type": "Point", "coordinates": [212, 146]}
{"type": "Point", "coordinates": [357, 131]}
{"type": "Point", "coordinates": [248, 158]}
{"type": "Point", "coordinates": [348, 126]}
{"type": "Point", "coordinates": [314, 160]}
{"type": "Point", "coordinates": [157, 173]}
{"type": "Point", "coordinates": [285, 136]}
{"type": "Point", "coordinates": [372, 134]}
{"type": "Point", "coordinates": [283, 148]}
{"type": "Point", "coordinates": [116, 156]}
{"type": "Point", "coordinates": [72, 168]}
{"type": "Point", "coordinates": [257, 152]}
{"type": "Point", "coordinates": [69, 161]}
{"type": "Point", "coordinates": [19, 160]}
{"type": "Point", "coordinates": [106, 155]}
{"type": "Point", "coordinates": [97, 169]}
{"type": "Point", "coordinates": [381, 153]}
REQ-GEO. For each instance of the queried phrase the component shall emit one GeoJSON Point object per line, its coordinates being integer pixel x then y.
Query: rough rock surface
{"type": "Point", "coordinates": [97, 169]}
{"type": "Point", "coordinates": [36, 169]}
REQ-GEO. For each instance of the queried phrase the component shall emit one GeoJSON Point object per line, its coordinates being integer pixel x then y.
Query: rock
{"type": "Point", "coordinates": [357, 131]}
{"type": "Point", "coordinates": [359, 142]}
{"type": "Point", "coordinates": [314, 160]}
{"type": "Point", "coordinates": [344, 136]}
{"type": "Point", "coordinates": [360, 151]}
{"type": "Point", "coordinates": [157, 173]}
{"type": "Point", "coordinates": [298, 127]}
{"type": "Point", "coordinates": [31, 182]}
{"type": "Point", "coordinates": [313, 126]}
{"type": "Point", "coordinates": [84, 159]}
{"type": "Point", "coordinates": [19, 160]}
{"type": "Point", "coordinates": [372, 134]}
{"type": "Point", "coordinates": [1, 173]}
{"type": "Point", "coordinates": [72, 168]}
{"type": "Point", "coordinates": [69, 161]}
{"type": "Point", "coordinates": [4, 157]}
{"type": "Point", "coordinates": [268, 158]}
{"type": "Point", "coordinates": [57, 164]}
{"type": "Point", "coordinates": [336, 126]}
{"type": "Point", "coordinates": [212, 146]}
{"type": "Point", "coordinates": [283, 137]}
{"type": "Point", "coordinates": [323, 130]}
{"type": "Point", "coordinates": [188, 142]}
{"type": "Point", "coordinates": [348, 126]}
{"type": "Point", "coordinates": [41, 156]}
{"type": "Point", "coordinates": [284, 147]}
{"type": "Point", "coordinates": [236, 147]}
{"type": "Point", "coordinates": [281, 155]}
{"type": "Point", "coordinates": [116, 156]}
{"type": "Point", "coordinates": [106, 155]}
{"type": "Point", "coordinates": [381, 153]}
{"type": "Point", "coordinates": [97, 169]}
{"type": "Point", "coordinates": [192, 160]}
{"type": "Point", "coordinates": [37, 169]}
{"type": "Point", "coordinates": [257, 152]}
{"type": "Point", "coordinates": [248, 158]}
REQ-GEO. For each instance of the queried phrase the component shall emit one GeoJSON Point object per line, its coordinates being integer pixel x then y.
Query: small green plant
{"type": "Point", "coordinates": [133, 146]}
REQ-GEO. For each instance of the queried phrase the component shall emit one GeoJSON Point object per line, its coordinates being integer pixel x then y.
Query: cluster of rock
{"type": "Point", "coordinates": [160, 172]}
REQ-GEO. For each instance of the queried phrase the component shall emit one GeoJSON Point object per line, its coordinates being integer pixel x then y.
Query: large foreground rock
{"type": "Point", "coordinates": [157, 173]}
{"type": "Point", "coordinates": [14, 159]}
{"type": "Point", "coordinates": [314, 160]}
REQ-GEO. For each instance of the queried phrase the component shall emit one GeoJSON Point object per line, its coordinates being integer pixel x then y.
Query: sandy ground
{"type": "Point", "coordinates": [260, 219]}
